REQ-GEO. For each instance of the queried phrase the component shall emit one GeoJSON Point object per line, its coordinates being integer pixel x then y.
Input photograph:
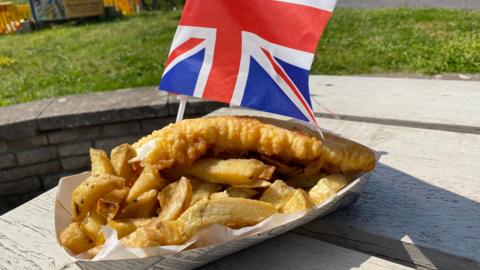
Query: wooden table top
{"type": "Point", "coordinates": [420, 207]}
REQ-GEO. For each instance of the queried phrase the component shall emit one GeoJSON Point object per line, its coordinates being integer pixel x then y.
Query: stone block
{"type": "Point", "coordinates": [74, 134]}
{"type": "Point", "coordinates": [3, 146]}
{"type": "Point", "coordinates": [51, 181]}
{"type": "Point", "coordinates": [20, 186]}
{"type": "Point", "coordinates": [28, 143]}
{"type": "Point", "coordinates": [194, 106]}
{"type": "Point", "coordinates": [74, 149]}
{"type": "Point", "coordinates": [76, 163]}
{"type": "Point", "coordinates": [149, 125]}
{"type": "Point", "coordinates": [31, 170]}
{"type": "Point", "coordinates": [94, 132]}
{"type": "Point", "coordinates": [7, 161]}
{"type": "Point", "coordinates": [105, 107]}
{"type": "Point", "coordinates": [19, 121]}
{"type": "Point", "coordinates": [120, 129]}
{"type": "Point", "coordinates": [37, 155]}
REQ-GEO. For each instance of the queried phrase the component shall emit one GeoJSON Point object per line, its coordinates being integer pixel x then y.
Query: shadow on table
{"type": "Point", "coordinates": [398, 216]}
{"type": "Point", "coordinates": [294, 251]}
{"type": "Point", "coordinates": [404, 218]}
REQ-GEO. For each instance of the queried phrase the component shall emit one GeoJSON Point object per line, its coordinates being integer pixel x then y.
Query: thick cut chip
{"type": "Point", "coordinates": [299, 202]}
{"type": "Point", "coordinates": [217, 195]}
{"type": "Point", "coordinates": [231, 212]}
{"type": "Point", "coordinates": [89, 191]}
{"type": "Point", "coordinates": [230, 171]}
{"type": "Point", "coordinates": [94, 224]}
{"type": "Point", "coordinates": [109, 205]}
{"type": "Point", "coordinates": [149, 179]}
{"type": "Point", "coordinates": [75, 238]}
{"type": "Point", "coordinates": [163, 233]}
{"type": "Point", "coordinates": [278, 194]}
{"type": "Point", "coordinates": [281, 168]}
{"type": "Point", "coordinates": [241, 192]}
{"type": "Point", "coordinates": [327, 187]}
{"type": "Point", "coordinates": [254, 184]}
{"type": "Point", "coordinates": [100, 162]}
{"type": "Point", "coordinates": [124, 227]}
{"type": "Point", "coordinates": [303, 180]}
{"type": "Point", "coordinates": [119, 157]}
{"type": "Point", "coordinates": [166, 194]}
{"type": "Point", "coordinates": [202, 189]}
{"type": "Point", "coordinates": [179, 201]}
{"type": "Point", "coordinates": [142, 207]}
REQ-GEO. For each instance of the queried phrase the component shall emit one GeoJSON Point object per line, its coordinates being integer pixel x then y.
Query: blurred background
{"type": "Point", "coordinates": [57, 47]}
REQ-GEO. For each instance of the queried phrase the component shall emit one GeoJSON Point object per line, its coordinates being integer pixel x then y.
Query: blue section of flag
{"type": "Point", "coordinates": [262, 93]}
{"type": "Point", "coordinates": [299, 77]}
{"type": "Point", "coordinates": [183, 77]}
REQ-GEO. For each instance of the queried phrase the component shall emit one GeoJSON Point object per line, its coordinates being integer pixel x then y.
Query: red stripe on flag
{"type": "Point", "coordinates": [290, 84]}
{"type": "Point", "coordinates": [186, 46]}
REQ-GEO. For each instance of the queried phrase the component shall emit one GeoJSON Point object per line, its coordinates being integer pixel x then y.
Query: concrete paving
{"type": "Point", "coordinates": [460, 4]}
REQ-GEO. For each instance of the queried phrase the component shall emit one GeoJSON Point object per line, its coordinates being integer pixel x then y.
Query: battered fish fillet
{"type": "Point", "coordinates": [182, 143]}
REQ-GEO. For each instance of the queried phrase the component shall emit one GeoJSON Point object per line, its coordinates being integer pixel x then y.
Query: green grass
{"type": "Point", "coordinates": [130, 52]}
{"type": "Point", "coordinates": [16, 1]}
{"type": "Point", "coordinates": [425, 41]}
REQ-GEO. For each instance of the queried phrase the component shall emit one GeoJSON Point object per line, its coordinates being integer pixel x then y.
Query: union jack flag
{"type": "Point", "coordinates": [251, 53]}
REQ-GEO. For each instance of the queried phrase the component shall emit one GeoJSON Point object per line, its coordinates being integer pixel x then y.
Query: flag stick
{"type": "Point", "coordinates": [181, 107]}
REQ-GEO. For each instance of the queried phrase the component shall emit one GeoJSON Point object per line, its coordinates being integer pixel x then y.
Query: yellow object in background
{"type": "Point", "coordinates": [124, 6]}
{"type": "Point", "coordinates": [11, 16]}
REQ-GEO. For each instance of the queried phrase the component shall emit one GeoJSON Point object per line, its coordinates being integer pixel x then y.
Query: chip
{"type": "Point", "coordinates": [109, 205]}
{"type": "Point", "coordinates": [230, 171]}
{"type": "Point", "coordinates": [89, 191]}
{"type": "Point", "coordinates": [299, 202]}
{"type": "Point", "coordinates": [179, 201]}
{"type": "Point", "coordinates": [94, 224]}
{"type": "Point", "coordinates": [232, 212]}
{"type": "Point", "coordinates": [163, 233]}
{"type": "Point", "coordinates": [119, 157]}
{"type": "Point", "coordinates": [241, 192]}
{"type": "Point", "coordinates": [278, 194]}
{"type": "Point", "coordinates": [303, 180]}
{"type": "Point", "coordinates": [142, 207]}
{"type": "Point", "coordinates": [282, 168]}
{"type": "Point", "coordinates": [75, 238]}
{"type": "Point", "coordinates": [217, 195]}
{"type": "Point", "coordinates": [100, 162]}
{"type": "Point", "coordinates": [124, 227]}
{"type": "Point", "coordinates": [202, 189]}
{"type": "Point", "coordinates": [327, 187]}
{"type": "Point", "coordinates": [254, 184]}
{"type": "Point", "coordinates": [166, 194]}
{"type": "Point", "coordinates": [149, 179]}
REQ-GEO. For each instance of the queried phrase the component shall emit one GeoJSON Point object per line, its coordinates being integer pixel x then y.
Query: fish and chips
{"type": "Point", "coordinates": [179, 180]}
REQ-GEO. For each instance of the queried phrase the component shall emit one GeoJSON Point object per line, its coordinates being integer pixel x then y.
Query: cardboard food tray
{"type": "Point", "coordinates": [215, 242]}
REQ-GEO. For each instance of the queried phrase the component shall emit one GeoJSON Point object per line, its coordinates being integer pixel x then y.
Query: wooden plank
{"type": "Point", "coordinates": [293, 251]}
{"type": "Point", "coordinates": [421, 204]}
{"type": "Point", "coordinates": [27, 237]}
{"type": "Point", "coordinates": [433, 104]}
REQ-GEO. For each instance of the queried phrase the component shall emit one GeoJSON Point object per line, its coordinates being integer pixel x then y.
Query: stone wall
{"type": "Point", "coordinates": [45, 140]}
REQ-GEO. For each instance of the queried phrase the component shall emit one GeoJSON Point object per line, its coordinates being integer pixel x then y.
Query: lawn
{"type": "Point", "coordinates": [130, 52]}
